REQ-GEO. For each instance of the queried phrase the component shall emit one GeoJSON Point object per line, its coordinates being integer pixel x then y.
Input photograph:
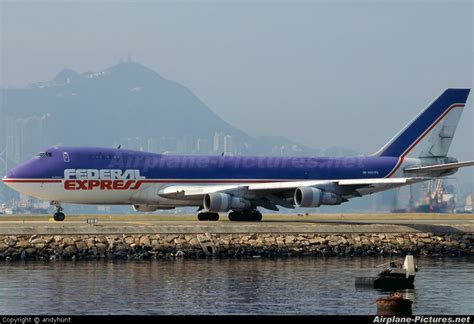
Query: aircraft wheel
{"type": "Point", "coordinates": [213, 216]}
{"type": "Point", "coordinates": [59, 217]}
{"type": "Point", "coordinates": [234, 216]}
{"type": "Point", "coordinates": [245, 216]}
{"type": "Point", "coordinates": [256, 216]}
{"type": "Point", "coordinates": [208, 216]}
{"type": "Point", "coordinates": [203, 217]}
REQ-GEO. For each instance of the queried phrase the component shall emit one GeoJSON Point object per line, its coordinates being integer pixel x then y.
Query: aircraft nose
{"type": "Point", "coordinates": [5, 179]}
{"type": "Point", "coordinates": [13, 173]}
{"type": "Point", "coordinates": [20, 172]}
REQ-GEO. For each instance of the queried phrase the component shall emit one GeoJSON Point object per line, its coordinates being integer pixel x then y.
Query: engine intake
{"type": "Point", "coordinates": [221, 202]}
{"type": "Point", "coordinates": [314, 197]}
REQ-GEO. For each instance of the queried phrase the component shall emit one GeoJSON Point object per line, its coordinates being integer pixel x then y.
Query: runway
{"type": "Point", "coordinates": [184, 224]}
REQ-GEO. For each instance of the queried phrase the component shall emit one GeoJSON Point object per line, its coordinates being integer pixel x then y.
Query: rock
{"type": "Point", "coordinates": [48, 238]}
{"type": "Point", "coordinates": [400, 240]}
{"type": "Point", "coordinates": [342, 240]}
{"type": "Point", "coordinates": [67, 241]}
{"type": "Point", "coordinates": [101, 238]}
{"type": "Point", "coordinates": [37, 240]}
{"type": "Point", "coordinates": [171, 238]}
{"type": "Point", "coordinates": [332, 243]}
{"type": "Point", "coordinates": [129, 240]}
{"type": "Point", "coordinates": [22, 244]}
{"type": "Point", "coordinates": [290, 239]}
{"type": "Point", "coordinates": [101, 247]}
{"type": "Point", "coordinates": [90, 243]}
{"type": "Point", "coordinates": [30, 251]}
{"type": "Point", "coordinates": [40, 246]}
{"type": "Point", "coordinates": [70, 249]}
{"type": "Point", "coordinates": [318, 240]}
{"type": "Point", "coordinates": [81, 246]}
{"type": "Point", "coordinates": [144, 240]}
{"type": "Point", "coordinates": [11, 240]}
{"type": "Point", "coordinates": [3, 247]}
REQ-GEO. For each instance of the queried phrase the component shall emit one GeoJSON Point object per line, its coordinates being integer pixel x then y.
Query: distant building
{"type": "Point", "coordinates": [227, 145]}
{"type": "Point", "coordinates": [168, 144]}
{"type": "Point", "coordinates": [216, 146]}
{"type": "Point", "coordinates": [202, 146]}
{"type": "Point", "coordinates": [153, 145]}
{"type": "Point", "coordinates": [13, 149]}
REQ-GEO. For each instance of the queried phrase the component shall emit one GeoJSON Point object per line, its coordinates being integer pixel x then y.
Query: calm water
{"type": "Point", "coordinates": [257, 286]}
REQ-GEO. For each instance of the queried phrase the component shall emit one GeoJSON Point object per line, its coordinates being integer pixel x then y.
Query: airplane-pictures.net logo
{"type": "Point", "coordinates": [103, 179]}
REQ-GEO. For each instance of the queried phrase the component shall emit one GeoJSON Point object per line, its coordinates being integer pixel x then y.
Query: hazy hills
{"type": "Point", "coordinates": [127, 100]}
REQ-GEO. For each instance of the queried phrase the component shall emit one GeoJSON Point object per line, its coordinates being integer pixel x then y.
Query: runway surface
{"type": "Point", "coordinates": [327, 223]}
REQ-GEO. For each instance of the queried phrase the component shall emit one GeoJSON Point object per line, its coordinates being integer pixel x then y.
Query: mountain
{"type": "Point", "coordinates": [126, 101]}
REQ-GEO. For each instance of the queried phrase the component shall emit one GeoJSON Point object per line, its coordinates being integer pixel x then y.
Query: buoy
{"type": "Point", "coordinates": [395, 304]}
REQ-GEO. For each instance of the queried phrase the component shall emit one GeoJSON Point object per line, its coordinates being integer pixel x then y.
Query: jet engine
{"type": "Point", "coordinates": [314, 197]}
{"type": "Point", "coordinates": [222, 202]}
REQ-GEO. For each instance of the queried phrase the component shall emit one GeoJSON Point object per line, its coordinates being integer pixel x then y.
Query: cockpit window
{"type": "Point", "coordinates": [44, 154]}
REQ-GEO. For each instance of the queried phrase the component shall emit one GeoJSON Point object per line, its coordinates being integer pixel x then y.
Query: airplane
{"type": "Point", "coordinates": [242, 184]}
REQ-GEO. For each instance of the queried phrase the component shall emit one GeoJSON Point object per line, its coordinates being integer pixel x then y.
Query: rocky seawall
{"type": "Point", "coordinates": [170, 246]}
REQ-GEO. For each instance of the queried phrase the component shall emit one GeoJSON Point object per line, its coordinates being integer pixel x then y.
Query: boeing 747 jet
{"type": "Point", "coordinates": [241, 184]}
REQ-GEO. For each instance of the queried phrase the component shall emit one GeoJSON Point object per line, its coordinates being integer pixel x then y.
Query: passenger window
{"type": "Point", "coordinates": [66, 156]}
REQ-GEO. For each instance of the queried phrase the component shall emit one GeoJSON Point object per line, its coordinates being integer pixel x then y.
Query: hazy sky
{"type": "Point", "coordinates": [324, 73]}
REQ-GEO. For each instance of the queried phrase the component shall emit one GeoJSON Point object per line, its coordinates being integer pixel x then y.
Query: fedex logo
{"type": "Point", "coordinates": [102, 179]}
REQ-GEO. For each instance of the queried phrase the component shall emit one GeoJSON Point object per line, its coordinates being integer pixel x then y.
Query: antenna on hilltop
{"type": "Point", "coordinates": [129, 57]}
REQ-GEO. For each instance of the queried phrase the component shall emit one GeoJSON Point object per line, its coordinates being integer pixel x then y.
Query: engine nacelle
{"type": "Point", "coordinates": [221, 202]}
{"type": "Point", "coordinates": [314, 197]}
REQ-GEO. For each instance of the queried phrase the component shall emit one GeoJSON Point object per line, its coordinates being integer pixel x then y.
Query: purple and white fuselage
{"type": "Point", "coordinates": [241, 184]}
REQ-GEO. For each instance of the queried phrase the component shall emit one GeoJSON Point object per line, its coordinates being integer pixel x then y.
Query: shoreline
{"type": "Point", "coordinates": [155, 236]}
{"type": "Point", "coordinates": [224, 246]}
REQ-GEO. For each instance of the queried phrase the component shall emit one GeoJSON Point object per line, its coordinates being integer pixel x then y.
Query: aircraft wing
{"type": "Point", "coordinates": [270, 194]}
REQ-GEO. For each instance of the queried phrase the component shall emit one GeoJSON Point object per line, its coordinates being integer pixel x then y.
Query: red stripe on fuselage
{"type": "Point", "coordinates": [32, 181]}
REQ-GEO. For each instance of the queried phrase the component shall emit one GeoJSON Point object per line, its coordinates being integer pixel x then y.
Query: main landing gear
{"type": "Point", "coordinates": [58, 215]}
{"type": "Point", "coordinates": [234, 216]}
{"type": "Point", "coordinates": [245, 216]}
{"type": "Point", "coordinates": [206, 216]}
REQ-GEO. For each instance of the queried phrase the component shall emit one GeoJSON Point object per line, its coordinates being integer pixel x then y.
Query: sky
{"type": "Point", "coordinates": [322, 73]}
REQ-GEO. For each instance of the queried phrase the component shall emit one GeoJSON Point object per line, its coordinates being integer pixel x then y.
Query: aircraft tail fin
{"type": "Point", "coordinates": [433, 129]}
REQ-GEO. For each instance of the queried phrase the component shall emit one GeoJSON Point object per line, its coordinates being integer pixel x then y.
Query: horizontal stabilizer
{"type": "Point", "coordinates": [440, 167]}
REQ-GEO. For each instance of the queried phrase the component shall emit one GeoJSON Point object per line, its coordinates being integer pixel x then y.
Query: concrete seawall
{"type": "Point", "coordinates": [247, 245]}
{"type": "Point", "coordinates": [158, 237]}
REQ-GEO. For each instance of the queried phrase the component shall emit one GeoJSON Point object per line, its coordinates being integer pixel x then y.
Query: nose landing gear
{"type": "Point", "coordinates": [58, 215]}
